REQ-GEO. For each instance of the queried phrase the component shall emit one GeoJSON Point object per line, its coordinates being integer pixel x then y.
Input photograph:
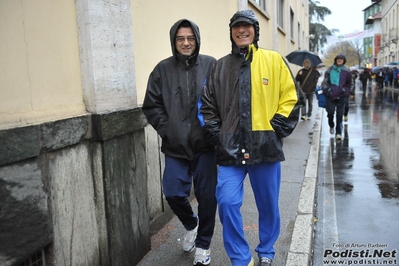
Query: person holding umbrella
{"type": "Point", "coordinates": [337, 86]}
{"type": "Point", "coordinates": [307, 78]}
{"type": "Point", "coordinates": [297, 57]}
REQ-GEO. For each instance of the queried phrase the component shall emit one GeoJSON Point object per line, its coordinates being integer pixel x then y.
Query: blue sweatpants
{"type": "Point", "coordinates": [178, 176]}
{"type": "Point", "coordinates": [265, 182]}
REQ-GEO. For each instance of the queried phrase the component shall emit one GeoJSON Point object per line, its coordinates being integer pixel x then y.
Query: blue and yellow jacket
{"type": "Point", "coordinates": [249, 103]}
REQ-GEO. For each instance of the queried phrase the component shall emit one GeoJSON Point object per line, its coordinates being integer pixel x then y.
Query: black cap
{"type": "Point", "coordinates": [241, 19]}
{"type": "Point", "coordinates": [246, 16]}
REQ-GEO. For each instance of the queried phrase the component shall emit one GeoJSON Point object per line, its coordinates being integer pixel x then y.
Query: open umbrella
{"type": "Point", "coordinates": [298, 56]}
{"type": "Point", "coordinates": [392, 64]}
{"type": "Point", "coordinates": [376, 69]}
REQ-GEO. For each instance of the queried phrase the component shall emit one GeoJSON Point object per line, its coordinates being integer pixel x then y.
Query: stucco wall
{"type": "Point", "coordinates": [39, 68]}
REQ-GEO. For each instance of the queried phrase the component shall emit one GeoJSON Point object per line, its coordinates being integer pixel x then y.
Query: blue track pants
{"type": "Point", "coordinates": [265, 181]}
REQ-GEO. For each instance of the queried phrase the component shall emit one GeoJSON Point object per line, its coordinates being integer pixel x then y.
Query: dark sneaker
{"type": "Point", "coordinates": [265, 261]}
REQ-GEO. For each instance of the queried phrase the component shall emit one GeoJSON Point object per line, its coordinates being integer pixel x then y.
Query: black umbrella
{"type": "Point", "coordinates": [298, 56]}
{"type": "Point", "coordinates": [376, 69]}
{"type": "Point", "coordinates": [392, 64]}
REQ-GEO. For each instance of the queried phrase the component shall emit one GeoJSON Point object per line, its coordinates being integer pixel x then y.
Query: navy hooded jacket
{"type": "Point", "coordinates": [170, 103]}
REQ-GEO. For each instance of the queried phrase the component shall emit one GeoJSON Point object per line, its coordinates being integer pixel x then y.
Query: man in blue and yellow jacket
{"type": "Point", "coordinates": [248, 105]}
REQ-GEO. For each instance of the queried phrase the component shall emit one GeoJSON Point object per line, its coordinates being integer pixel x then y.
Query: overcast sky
{"type": "Point", "coordinates": [346, 15]}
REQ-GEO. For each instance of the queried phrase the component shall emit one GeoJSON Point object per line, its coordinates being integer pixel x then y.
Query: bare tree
{"type": "Point", "coordinates": [353, 51]}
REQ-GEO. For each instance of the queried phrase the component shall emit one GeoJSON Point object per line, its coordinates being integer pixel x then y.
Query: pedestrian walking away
{"type": "Point", "coordinates": [364, 77]}
{"type": "Point", "coordinates": [395, 77]}
{"type": "Point", "coordinates": [170, 105]}
{"type": "Point", "coordinates": [307, 78]}
{"type": "Point", "coordinates": [248, 105]}
{"type": "Point", "coordinates": [337, 86]}
{"type": "Point", "coordinates": [352, 95]}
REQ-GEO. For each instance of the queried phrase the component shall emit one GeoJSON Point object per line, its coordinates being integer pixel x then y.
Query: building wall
{"type": "Point", "coordinates": [152, 21]}
{"type": "Point", "coordinates": [390, 32]}
{"type": "Point", "coordinates": [41, 61]}
{"type": "Point", "coordinates": [39, 68]}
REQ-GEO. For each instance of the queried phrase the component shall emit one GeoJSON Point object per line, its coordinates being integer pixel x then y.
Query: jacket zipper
{"type": "Point", "coordinates": [188, 102]}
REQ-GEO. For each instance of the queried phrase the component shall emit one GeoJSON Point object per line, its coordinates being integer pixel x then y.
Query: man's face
{"type": "Point", "coordinates": [243, 34]}
{"type": "Point", "coordinates": [306, 64]}
{"type": "Point", "coordinates": [185, 41]}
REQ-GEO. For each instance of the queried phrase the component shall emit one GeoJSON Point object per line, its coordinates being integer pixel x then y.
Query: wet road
{"type": "Point", "coordinates": [357, 211]}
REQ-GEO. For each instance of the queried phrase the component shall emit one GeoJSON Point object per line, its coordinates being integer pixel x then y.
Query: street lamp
{"type": "Point", "coordinates": [311, 37]}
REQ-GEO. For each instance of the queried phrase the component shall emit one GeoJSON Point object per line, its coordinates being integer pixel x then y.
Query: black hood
{"type": "Point", "coordinates": [172, 33]}
{"type": "Point", "coordinates": [249, 15]}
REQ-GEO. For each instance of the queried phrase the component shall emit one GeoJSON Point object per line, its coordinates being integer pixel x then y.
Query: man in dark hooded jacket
{"type": "Point", "coordinates": [249, 104]}
{"type": "Point", "coordinates": [170, 106]}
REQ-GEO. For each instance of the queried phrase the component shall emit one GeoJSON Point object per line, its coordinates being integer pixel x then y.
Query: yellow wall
{"type": "Point", "coordinates": [152, 21]}
{"type": "Point", "coordinates": [39, 68]}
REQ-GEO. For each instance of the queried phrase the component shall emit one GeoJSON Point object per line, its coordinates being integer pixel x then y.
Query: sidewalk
{"type": "Point", "coordinates": [293, 248]}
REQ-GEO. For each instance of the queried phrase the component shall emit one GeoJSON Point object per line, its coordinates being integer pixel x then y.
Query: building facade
{"type": "Point", "coordinates": [371, 45]}
{"type": "Point", "coordinates": [390, 32]}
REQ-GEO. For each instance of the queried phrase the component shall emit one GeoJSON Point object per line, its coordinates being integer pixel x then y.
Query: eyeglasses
{"type": "Point", "coordinates": [190, 39]}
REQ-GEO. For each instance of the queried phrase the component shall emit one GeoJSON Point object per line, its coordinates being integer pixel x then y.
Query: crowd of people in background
{"type": "Point", "coordinates": [339, 85]}
{"type": "Point", "coordinates": [384, 77]}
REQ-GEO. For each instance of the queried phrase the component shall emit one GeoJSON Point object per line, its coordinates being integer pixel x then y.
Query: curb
{"type": "Point", "coordinates": [300, 251]}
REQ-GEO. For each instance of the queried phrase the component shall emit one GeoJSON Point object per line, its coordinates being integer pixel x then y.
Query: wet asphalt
{"type": "Point", "coordinates": [358, 185]}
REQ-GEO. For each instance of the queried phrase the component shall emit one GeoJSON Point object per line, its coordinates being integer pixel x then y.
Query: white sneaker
{"type": "Point", "coordinates": [303, 118]}
{"type": "Point", "coordinates": [189, 239]}
{"type": "Point", "coordinates": [338, 137]}
{"type": "Point", "coordinates": [202, 256]}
